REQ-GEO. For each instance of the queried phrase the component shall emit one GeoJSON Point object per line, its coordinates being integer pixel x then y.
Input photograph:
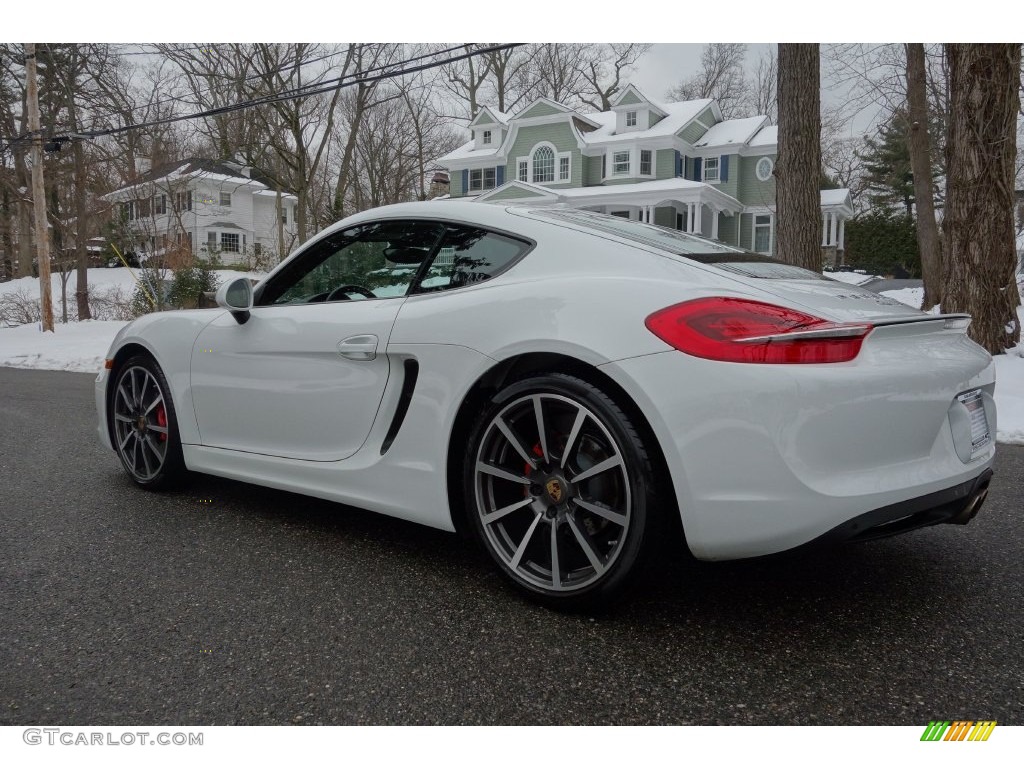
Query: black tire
{"type": "Point", "coordinates": [593, 553]}
{"type": "Point", "coordinates": [147, 443]}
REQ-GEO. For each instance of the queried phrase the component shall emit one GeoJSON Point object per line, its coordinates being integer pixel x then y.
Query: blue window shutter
{"type": "Point", "coordinates": [723, 164]}
{"type": "Point", "coordinates": [499, 176]}
{"type": "Point", "coordinates": [679, 164]}
{"type": "Point", "coordinates": [696, 170]}
{"type": "Point", "coordinates": [465, 181]}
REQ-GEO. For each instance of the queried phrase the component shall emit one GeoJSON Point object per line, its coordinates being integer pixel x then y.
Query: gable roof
{"type": "Point", "coordinates": [199, 167]}
{"type": "Point", "coordinates": [496, 117]}
{"type": "Point", "coordinates": [677, 115]}
{"type": "Point", "coordinates": [729, 132]}
{"type": "Point", "coordinates": [632, 89]}
{"type": "Point", "coordinates": [552, 104]}
{"type": "Point", "coordinates": [767, 136]}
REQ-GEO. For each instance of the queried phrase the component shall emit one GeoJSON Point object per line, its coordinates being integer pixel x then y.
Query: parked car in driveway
{"type": "Point", "coordinates": [562, 384]}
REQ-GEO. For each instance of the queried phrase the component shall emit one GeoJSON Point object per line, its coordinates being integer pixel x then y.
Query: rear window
{"type": "Point", "coordinates": [726, 257]}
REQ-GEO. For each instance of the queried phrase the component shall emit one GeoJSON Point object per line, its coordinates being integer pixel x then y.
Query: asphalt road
{"type": "Point", "coordinates": [230, 604]}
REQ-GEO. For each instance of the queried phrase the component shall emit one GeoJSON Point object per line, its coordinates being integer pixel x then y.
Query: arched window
{"type": "Point", "coordinates": [543, 164]}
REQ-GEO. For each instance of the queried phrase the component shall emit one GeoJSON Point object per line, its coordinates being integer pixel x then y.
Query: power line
{"type": "Point", "coordinates": [313, 90]}
{"type": "Point", "coordinates": [283, 67]}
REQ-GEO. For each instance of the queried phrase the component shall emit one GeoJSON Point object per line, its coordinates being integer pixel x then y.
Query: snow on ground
{"type": "Point", "coordinates": [71, 347]}
{"type": "Point", "coordinates": [911, 296]}
{"type": "Point", "coordinates": [853, 278]}
{"type": "Point", "coordinates": [99, 279]}
{"type": "Point", "coordinates": [1009, 377]}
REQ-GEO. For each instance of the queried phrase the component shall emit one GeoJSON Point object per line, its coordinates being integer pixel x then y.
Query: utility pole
{"type": "Point", "coordinates": [38, 188]}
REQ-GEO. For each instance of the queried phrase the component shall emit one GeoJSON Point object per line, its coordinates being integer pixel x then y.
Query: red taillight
{"type": "Point", "coordinates": [746, 331]}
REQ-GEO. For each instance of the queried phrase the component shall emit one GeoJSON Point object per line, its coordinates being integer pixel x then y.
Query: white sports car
{"type": "Point", "coordinates": [563, 384]}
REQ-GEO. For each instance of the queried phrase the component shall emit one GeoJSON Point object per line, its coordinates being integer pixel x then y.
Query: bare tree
{"type": "Point", "coordinates": [980, 260]}
{"type": "Point", "coordinates": [720, 77]}
{"type": "Point", "coordinates": [509, 77]}
{"type": "Point", "coordinates": [798, 168]}
{"type": "Point", "coordinates": [762, 98]}
{"type": "Point", "coordinates": [465, 79]}
{"type": "Point", "coordinates": [604, 69]}
{"type": "Point", "coordinates": [559, 71]}
{"type": "Point", "coordinates": [921, 167]}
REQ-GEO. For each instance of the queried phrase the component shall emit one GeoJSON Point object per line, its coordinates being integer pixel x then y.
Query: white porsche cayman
{"type": "Point", "coordinates": [562, 384]}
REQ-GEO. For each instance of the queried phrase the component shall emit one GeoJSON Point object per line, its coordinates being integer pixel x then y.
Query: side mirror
{"type": "Point", "coordinates": [236, 297]}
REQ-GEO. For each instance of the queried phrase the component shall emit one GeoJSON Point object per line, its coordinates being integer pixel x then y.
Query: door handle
{"type": "Point", "coordinates": [362, 348]}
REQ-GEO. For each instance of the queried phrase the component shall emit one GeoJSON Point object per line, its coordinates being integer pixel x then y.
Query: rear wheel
{"type": "Point", "coordinates": [144, 424]}
{"type": "Point", "coordinates": [559, 483]}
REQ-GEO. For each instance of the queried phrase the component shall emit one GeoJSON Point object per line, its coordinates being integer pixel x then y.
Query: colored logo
{"type": "Point", "coordinates": [554, 489]}
{"type": "Point", "coordinates": [958, 730]}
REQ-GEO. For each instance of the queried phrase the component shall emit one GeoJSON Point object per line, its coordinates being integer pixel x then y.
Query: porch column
{"type": "Point", "coordinates": [842, 233]}
{"type": "Point", "coordinates": [824, 229]}
{"type": "Point", "coordinates": [714, 223]}
{"type": "Point", "coordinates": [699, 209]}
{"type": "Point", "coordinates": [835, 229]}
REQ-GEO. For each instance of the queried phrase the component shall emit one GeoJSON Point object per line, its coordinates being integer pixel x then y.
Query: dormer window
{"type": "Point", "coordinates": [631, 119]}
{"type": "Point", "coordinates": [487, 137]}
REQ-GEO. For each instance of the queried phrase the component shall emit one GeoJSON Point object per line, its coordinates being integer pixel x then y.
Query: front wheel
{"type": "Point", "coordinates": [144, 424]}
{"type": "Point", "coordinates": [559, 482]}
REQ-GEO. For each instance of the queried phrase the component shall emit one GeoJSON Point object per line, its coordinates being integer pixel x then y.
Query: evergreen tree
{"type": "Point", "coordinates": [890, 182]}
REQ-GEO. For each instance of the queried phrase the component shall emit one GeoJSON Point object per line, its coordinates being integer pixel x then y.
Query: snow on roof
{"type": "Point", "coordinates": [272, 193]}
{"type": "Point", "coordinates": [630, 189]}
{"type": "Point", "coordinates": [834, 196]}
{"type": "Point", "coordinates": [642, 96]}
{"type": "Point", "coordinates": [767, 136]}
{"type": "Point", "coordinates": [678, 114]}
{"type": "Point", "coordinates": [466, 151]}
{"type": "Point", "coordinates": [731, 132]}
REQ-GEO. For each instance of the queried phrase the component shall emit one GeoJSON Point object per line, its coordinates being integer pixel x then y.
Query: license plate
{"type": "Point", "coordinates": [980, 436]}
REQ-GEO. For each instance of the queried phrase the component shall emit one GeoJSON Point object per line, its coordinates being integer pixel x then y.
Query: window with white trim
{"type": "Point", "coordinates": [481, 178]}
{"type": "Point", "coordinates": [225, 199]}
{"type": "Point", "coordinates": [763, 233]}
{"type": "Point", "coordinates": [563, 168]}
{"type": "Point", "coordinates": [211, 240]}
{"type": "Point", "coordinates": [229, 242]}
{"type": "Point", "coordinates": [710, 169]}
{"type": "Point", "coordinates": [645, 162]}
{"type": "Point", "coordinates": [487, 137]}
{"type": "Point", "coordinates": [620, 162]}
{"type": "Point", "coordinates": [159, 205]}
{"type": "Point", "coordinates": [524, 170]}
{"type": "Point", "coordinates": [631, 119]}
{"type": "Point", "coordinates": [543, 165]}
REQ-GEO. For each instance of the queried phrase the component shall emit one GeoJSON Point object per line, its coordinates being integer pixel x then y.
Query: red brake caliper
{"type": "Point", "coordinates": [161, 420]}
{"type": "Point", "coordinates": [526, 467]}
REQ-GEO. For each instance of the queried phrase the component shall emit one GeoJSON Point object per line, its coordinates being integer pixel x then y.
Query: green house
{"type": "Point", "coordinates": [675, 164]}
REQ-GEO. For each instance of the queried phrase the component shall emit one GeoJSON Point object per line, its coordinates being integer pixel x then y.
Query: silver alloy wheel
{"type": "Point", "coordinates": [140, 423]}
{"type": "Point", "coordinates": [552, 492]}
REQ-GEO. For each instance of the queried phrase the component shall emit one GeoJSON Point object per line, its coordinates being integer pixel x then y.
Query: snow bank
{"type": "Point", "coordinates": [72, 347]}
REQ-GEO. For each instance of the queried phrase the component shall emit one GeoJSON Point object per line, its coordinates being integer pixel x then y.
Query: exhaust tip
{"type": "Point", "coordinates": [970, 510]}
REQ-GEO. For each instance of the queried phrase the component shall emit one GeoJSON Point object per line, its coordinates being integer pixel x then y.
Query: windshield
{"type": "Point", "coordinates": [699, 249]}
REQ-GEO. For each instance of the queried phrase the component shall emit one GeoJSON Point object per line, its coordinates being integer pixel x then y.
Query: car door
{"type": "Point", "coordinates": [303, 377]}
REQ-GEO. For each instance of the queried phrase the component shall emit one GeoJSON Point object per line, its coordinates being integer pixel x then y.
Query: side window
{"type": "Point", "coordinates": [470, 255]}
{"type": "Point", "coordinates": [371, 261]}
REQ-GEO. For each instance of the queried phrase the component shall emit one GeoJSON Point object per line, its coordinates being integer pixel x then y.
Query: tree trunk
{"type": "Point", "coordinates": [24, 216]}
{"type": "Point", "coordinates": [798, 167]}
{"type": "Point", "coordinates": [921, 166]}
{"type": "Point", "coordinates": [980, 260]}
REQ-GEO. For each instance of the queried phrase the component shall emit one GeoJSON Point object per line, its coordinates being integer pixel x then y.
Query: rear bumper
{"type": "Point", "coordinates": [764, 458]}
{"type": "Point", "coordinates": [958, 504]}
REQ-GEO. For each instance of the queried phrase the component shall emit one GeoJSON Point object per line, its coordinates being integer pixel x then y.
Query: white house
{"type": "Point", "coordinates": [209, 207]}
